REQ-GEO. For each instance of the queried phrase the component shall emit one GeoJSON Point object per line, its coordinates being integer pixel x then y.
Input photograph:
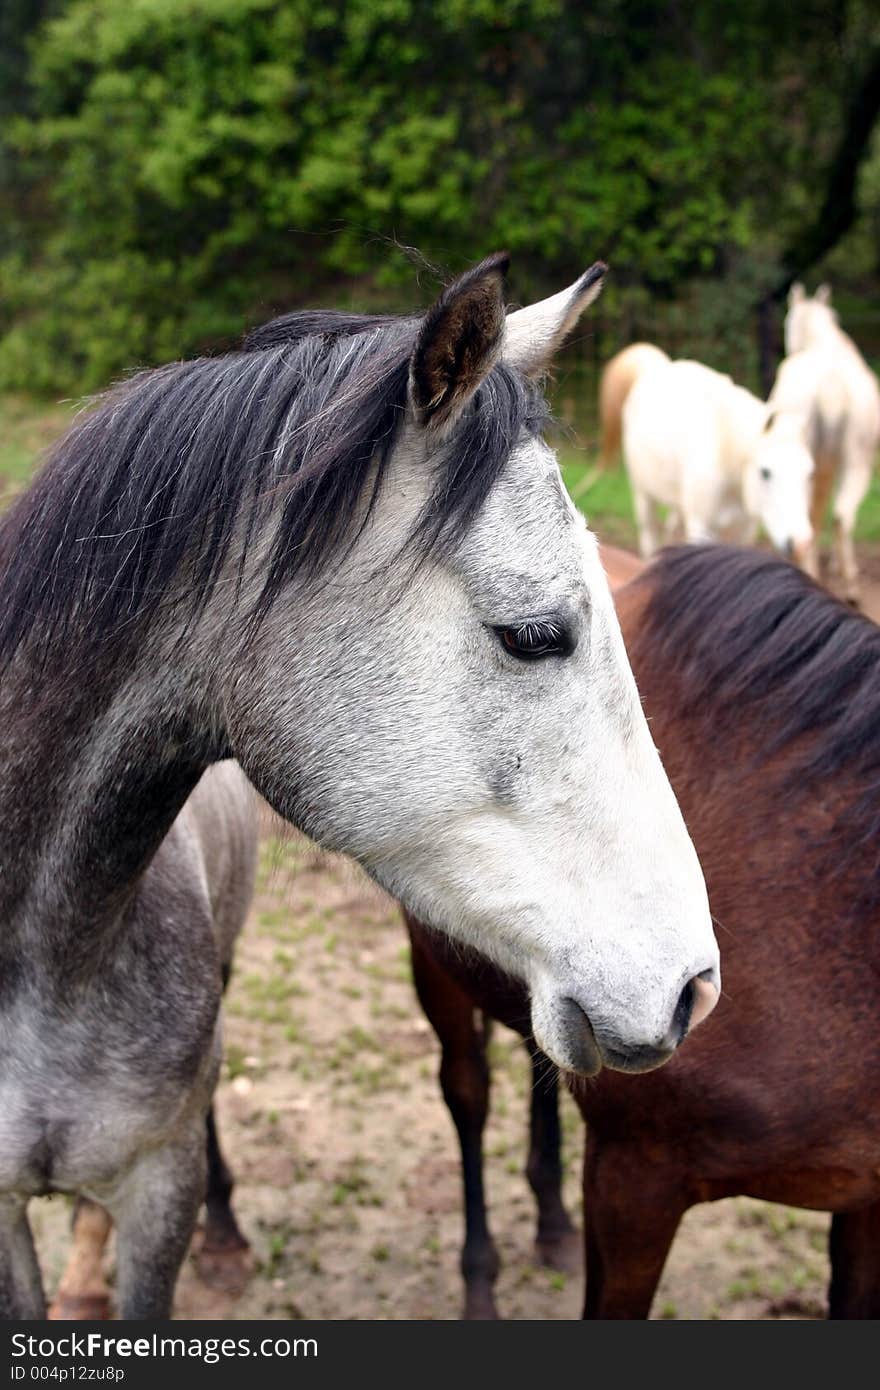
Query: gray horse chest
{"type": "Point", "coordinates": [74, 1113]}
{"type": "Point", "coordinates": [95, 1070]}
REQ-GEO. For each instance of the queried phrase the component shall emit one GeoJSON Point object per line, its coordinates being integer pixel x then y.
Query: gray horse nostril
{"type": "Point", "coordinates": [681, 1019]}
{"type": "Point", "coordinates": [586, 1057]}
{"type": "Point", "coordinates": [706, 995]}
{"type": "Point", "coordinates": [696, 1002]}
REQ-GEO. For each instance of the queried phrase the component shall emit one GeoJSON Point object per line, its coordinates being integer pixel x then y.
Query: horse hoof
{"type": "Point", "coordinates": [226, 1268]}
{"type": "Point", "coordinates": [564, 1252]}
{"type": "Point", "coordinates": [80, 1307]}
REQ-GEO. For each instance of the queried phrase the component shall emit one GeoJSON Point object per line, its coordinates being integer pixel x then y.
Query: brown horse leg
{"type": "Point", "coordinates": [464, 1079]}
{"type": "Point", "coordinates": [854, 1246]}
{"type": "Point", "coordinates": [557, 1243]}
{"type": "Point", "coordinates": [223, 1259]}
{"type": "Point", "coordinates": [83, 1294]}
{"type": "Point", "coordinates": [631, 1214]}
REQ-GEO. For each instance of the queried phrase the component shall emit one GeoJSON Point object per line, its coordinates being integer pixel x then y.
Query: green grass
{"type": "Point", "coordinates": [868, 524]}
{"type": "Point", "coordinates": [604, 497]}
{"type": "Point", "coordinates": [28, 426]}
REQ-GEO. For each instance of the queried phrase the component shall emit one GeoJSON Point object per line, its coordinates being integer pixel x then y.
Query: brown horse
{"type": "Point", "coordinates": [764, 698]}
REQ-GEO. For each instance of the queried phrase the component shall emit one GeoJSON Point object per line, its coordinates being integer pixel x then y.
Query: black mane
{"type": "Point", "coordinates": [177, 460]}
{"type": "Point", "coordinates": [747, 639]}
{"type": "Point", "coordinates": [322, 323]}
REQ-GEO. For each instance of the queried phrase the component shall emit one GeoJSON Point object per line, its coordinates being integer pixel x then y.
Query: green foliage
{"type": "Point", "coordinates": [27, 428]}
{"type": "Point", "coordinates": [191, 165]}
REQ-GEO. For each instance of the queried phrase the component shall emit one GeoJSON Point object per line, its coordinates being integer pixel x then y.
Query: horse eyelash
{"type": "Point", "coordinates": [538, 630]}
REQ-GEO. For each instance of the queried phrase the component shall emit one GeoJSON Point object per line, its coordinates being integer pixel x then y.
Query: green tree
{"type": "Point", "coordinates": [196, 164]}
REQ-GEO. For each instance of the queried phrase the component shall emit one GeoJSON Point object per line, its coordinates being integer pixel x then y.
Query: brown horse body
{"type": "Point", "coordinates": [764, 699]}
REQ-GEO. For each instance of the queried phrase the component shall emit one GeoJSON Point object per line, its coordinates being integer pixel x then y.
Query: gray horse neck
{"type": "Point", "coordinates": [92, 774]}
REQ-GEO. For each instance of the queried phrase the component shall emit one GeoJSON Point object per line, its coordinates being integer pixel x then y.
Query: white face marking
{"type": "Point", "coordinates": [519, 806]}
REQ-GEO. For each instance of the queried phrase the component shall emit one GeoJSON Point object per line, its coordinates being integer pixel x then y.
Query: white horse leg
{"type": "Point", "coordinates": [647, 522]}
{"type": "Point", "coordinates": [854, 483]}
{"type": "Point", "coordinates": [702, 498]}
{"type": "Point", "coordinates": [155, 1209]}
{"type": "Point", "coordinates": [21, 1288]}
{"type": "Point", "coordinates": [809, 561]}
{"type": "Point", "coordinates": [823, 482]}
{"type": "Point", "coordinates": [826, 467]}
{"type": "Point", "coordinates": [672, 527]}
{"type": "Point", "coordinates": [697, 530]}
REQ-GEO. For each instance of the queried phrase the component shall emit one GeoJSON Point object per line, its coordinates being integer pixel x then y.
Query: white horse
{"type": "Point", "coordinates": [619, 375]}
{"type": "Point", "coordinates": [697, 443]}
{"type": "Point", "coordinates": [826, 395]}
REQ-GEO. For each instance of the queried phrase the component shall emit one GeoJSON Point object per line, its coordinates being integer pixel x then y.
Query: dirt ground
{"type": "Point", "coordinates": [345, 1158]}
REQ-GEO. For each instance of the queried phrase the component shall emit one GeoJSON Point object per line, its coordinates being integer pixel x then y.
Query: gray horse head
{"type": "Point", "coordinates": [346, 557]}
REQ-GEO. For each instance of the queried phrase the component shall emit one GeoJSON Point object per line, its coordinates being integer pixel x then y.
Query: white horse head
{"type": "Point", "coordinates": [777, 487]}
{"type": "Point", "coordinates": [809, 322]}
{"type": "Point", "coordinates": [345, 556]}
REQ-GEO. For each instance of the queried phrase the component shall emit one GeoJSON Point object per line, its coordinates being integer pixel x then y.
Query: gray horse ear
{"type": "Point", "coordinates": [459, 342]}
{"type": "Point", "coordinates": [536, 332]}
{"type": "Point", "coordinates": [823, 294]}
{"type": "Point", "coordinates": [796, 294]}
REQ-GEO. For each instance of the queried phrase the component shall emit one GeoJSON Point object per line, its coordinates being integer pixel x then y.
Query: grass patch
{"type": "Point", "coordinates": [603, 496]}
{"type": "Point", "coordinates": [868, 523]}
{"type": "Point", "coordinates": [235, 1061]}
{"type": "Point", "coordinates": [27, 428]}
{"type": "Point", "coordinates": [353, 1185]}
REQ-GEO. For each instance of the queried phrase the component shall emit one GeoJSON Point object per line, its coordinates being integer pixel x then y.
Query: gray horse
{"type": "Point", "coordinates": [202, 875]}
{"type": "Point", "coordinates": [212, 842]}
{"type": "Point", "coordinates": [343, 556]}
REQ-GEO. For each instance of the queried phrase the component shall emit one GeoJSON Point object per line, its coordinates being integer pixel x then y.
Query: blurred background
{"type": "Point", "coordinates": [173, 171]}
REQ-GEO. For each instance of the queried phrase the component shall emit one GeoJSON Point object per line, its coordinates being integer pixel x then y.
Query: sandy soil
{"type": "Point", "coordinates": [346, 1161]}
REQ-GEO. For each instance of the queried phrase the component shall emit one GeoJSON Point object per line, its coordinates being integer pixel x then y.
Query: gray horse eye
{"type": "Point", "coordinates": [535, 639]}
{"type": "Point", "coordinates": [765, 474]}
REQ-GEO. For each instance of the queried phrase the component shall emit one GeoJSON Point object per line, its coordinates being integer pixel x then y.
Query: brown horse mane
{"type": "Point", "coordinates": [740, 638]}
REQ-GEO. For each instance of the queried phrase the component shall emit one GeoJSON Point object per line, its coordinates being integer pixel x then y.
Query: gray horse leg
{"type": "Point", "coordinates": [21, 1288]}
{"type": "Point", "coordinates": [155, 1210]}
